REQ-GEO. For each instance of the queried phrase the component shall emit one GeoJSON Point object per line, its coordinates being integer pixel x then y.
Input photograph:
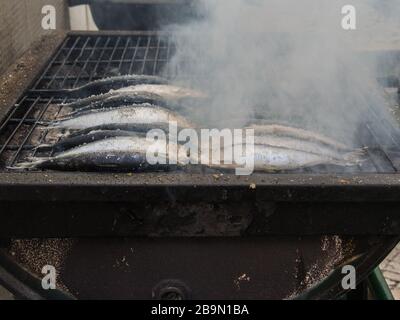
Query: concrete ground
{"type": "Point", "coordinates": [5, 295]}
{"type": "Point", "coordinates": [391, 270]}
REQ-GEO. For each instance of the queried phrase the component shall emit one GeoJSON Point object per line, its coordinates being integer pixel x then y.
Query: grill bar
{"type": "Point", "coordinates": [134, 55]}
{"type": "Point", "coordinates": [21, 147]}
{"type": "Point", "coordinates": [75, 64]}
{"type": "Point", "coordinates": [112, 55]}
{"type": "Point", "coordinates": [16, 147]}
{"type": "Point", "coordinates": [61, 66]}
{"type": "Point", "coordinates": [99, 61]}
{"type": "Point", "coordinates": [124, 54]}
{"type": "Point", "coordinates": [145, 56]}
{"type": "Point", "coordinates": [156, 57]}
{"type": "Point", "coordinates": [10, 115]}
{"type": "Point", "coordinates": [43, 137]}
{"type": "Point", "coordinates": [19, 125]}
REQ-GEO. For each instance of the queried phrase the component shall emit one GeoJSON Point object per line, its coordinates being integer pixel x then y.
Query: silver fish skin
{"type": "Point", "coordinates": [133, 114]}
{"type": "Point", "coordinates": [81, 137]}
{"type": "Point", "coordinates": [118, 100]}
{"type": "Point", "coordinates": [129, 127]}
{"type": "Point", "coordinates": [268, 158]}
{"type": "Point", "coordinates": [89, 137]}
{"type": "Point", "coordinates": [156, 92]}
{"type": "Point", "coordinates": [167, 92]}
{"type": "Point", "coordinates": [297, 133]}
{"type": "Point", "coordinates": [313, 146]}
{"type": "Point", "coordinates": [113, 83]}
{"type": "Point", "coordinates": [100, 99]}
{"type": "Point", "coordinates": [117, 153]}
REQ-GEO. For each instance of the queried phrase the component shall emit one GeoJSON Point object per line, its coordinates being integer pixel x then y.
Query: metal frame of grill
{"type": "Point", "coordinates": [370, 201]}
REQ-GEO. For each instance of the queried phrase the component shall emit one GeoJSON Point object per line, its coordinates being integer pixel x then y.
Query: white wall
{"type": "Point", "coordinates": [81, 18]}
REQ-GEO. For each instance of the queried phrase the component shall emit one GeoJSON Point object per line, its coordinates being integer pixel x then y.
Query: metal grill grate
{"type": "Point", "coordinates": [84, 58]}
{"type": "Point", "coordinates": [79, 60]}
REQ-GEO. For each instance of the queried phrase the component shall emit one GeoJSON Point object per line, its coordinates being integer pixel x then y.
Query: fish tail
{"type": "Point", "coordinates": [33, 163]}
{"type": "Point", "coordinates": [71, 113]}
{"type": "Point", "coordinates": [68, 115]}
{"type": "Point", "coordinates": [355, 157]}
{"type": "Point", "coordinates": [47, 125]}
{"type": "Point", "coordinates": [43, 147]}
{"type": "Point", "coordinates": [44, 124]}
{"type": "Point", "coordinates": [54, 125]}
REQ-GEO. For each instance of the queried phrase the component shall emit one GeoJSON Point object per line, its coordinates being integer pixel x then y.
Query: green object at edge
{"type": "Point", "coordinates": [378, 286]}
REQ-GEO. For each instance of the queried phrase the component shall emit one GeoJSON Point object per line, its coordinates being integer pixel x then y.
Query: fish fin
{"type": "Point", "coordinates": [32, 164]}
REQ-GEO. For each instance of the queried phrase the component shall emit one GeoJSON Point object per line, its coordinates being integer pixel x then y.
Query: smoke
{"type": "Point", "coordinates": [286, 61]}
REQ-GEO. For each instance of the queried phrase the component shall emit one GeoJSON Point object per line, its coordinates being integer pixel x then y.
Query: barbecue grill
{"type": "Point", "coordinates": [182, 235]}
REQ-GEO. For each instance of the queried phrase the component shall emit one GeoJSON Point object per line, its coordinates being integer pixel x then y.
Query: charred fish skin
{"type": "Point", "coordinates": [133, 114]}
{"type": "Point", "coordinates": [113, 83]}
{"type": "Point", "coordinates": [115, 154]}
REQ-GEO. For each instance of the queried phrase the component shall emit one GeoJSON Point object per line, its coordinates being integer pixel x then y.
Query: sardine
{"type": "Point", "coordinates": [112, 83]}
{"type": "Point", "coordinates": [135, 127]}
{"type": "Point", "coordinates": [297, 133]}
{"type": "Point", "coordinates": [133, 114]}
{"type": "Point", "coordinates": [89, 137]}
{"type": "Point", "coordinates": [118, 100]}
{"type": "Point", "coordinates": [314, 147]}
{"type": "Point", "coordinates": [270, 159]}
{"type": "Point", "coordinates": [169, 94]}
{"type": "Point", "coordinates": [81, 137]}
{"type": "Point", "coordinates": [117, 153]}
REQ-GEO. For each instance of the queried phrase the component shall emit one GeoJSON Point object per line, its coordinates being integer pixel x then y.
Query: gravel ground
{"type": "Point", "coordinates": [391, 270]}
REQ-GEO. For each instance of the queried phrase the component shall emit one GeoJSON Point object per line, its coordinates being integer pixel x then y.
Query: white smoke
{"type": "Point", "coordinates": [289, 61]}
